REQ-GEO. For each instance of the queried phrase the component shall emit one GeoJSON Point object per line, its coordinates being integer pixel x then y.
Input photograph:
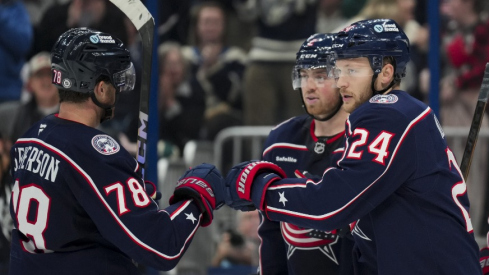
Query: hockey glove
{"type": "Point", "coordinates": [248, 181]}
{"type": "Point", "coordinates": [151, 190]}
{"type": "Point", "coordinates": [484, 260]}
{"type": "Point", "coordinates": [205, 185]}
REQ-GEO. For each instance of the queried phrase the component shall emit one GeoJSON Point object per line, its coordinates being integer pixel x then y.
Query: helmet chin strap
{"type": "Point", "coordinates": [372, 85]}
{"type": "Point", "coordinates": [108, 109]}
{"type": "Point", "coordinates": [327, 117]}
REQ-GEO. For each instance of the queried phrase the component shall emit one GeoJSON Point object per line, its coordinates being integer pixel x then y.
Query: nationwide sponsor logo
{"type": "Point", "coordinates": [94, 39]}
{"type": "Point", "coordinates": [390, 28]}
{"type": "Point", "coordinates": [105, 39]}
{"type": "Point", "coordinates": [378, 28]}
{"type": "Point", "coordinates": [286, 159]}
{"type": "Point", "coordinates": [105, 144]}
{"type": "Point", "coordinates": [384, 99]}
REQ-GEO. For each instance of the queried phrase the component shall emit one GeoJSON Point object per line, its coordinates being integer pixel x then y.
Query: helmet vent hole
{"type": "Point", "coordinates": [89, 47]}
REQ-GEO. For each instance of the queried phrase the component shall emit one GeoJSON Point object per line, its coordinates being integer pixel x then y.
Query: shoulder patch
{"type": "Point", "coordinates": [384, 99]}
{"type": "Point", "coordinates": [105, 144]}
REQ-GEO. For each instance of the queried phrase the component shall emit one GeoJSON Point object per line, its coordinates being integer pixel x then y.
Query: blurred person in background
{"type": "Point", "coordinates": [282, 26]}
{"type": "Point", "coordinates": [60, 17]}
{"type": "Point", "coordinates": [239, 245]}
{"type": "Point", "coordinates": [15, 43]}
{"type": "Point", "coordinates": [44, 98]}
{"type": "Point", "coordinates": [330, 16]}
{"type": "Point", "coordinates": [181, 101]}
{"type": "Point", "coordinates": [465, 52]}
{"type": "Point", "coordinates": [217, 67]}
{"type": "Point", "coordinates": [6, 224]}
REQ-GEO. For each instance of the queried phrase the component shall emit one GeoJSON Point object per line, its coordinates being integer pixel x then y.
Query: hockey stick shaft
{"type": "Point", "coordinates": [142, 19]}
{"type": "Point", "coordinates": [476, 125]}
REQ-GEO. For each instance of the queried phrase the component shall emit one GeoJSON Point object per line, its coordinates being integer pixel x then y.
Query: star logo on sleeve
{"type": "Point", "coordinates": [282, 198]}
{"type": "Point", "coordinates": [190, 217]}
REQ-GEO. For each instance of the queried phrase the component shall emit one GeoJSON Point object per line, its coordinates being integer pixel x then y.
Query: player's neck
{"type": "Point", "coordinates": [331, 126]}
{"type": "Point", "coordinates": [83, 113]}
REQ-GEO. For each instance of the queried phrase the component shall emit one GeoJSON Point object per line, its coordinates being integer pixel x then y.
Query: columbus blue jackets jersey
{"type": "Point", "coordinates": [287, 248]}
{"type": "Point", "coordinates": [400, 182]}
{"type": "Point", "coordinates": [79, 206]}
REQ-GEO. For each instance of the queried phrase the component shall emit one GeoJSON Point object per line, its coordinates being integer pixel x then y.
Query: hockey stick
{"type": "Point", "coordinates": [476, 125]}
{"type": "Point", "coordinates": [142, 19]}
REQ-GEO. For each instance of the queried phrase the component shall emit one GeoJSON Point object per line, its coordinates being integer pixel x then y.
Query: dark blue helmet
{"type": "Point", "coordinates": [375, 39]}
{"type": "Point", "coordinates": [81, 56]}
{"type": "Point", "coordinates": [314, 53]}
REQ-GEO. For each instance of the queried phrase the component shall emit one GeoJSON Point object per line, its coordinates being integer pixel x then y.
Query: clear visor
{"type": "Point", "coordinates": [352, 66]}
{"type": "Point", "coordinates": [124, 81]}
{"type": "Point", "coordinates": [317, 76]}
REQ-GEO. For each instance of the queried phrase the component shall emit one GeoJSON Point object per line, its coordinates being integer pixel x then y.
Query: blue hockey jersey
{"type": "Point", "coordinates": [79, 206]}
{"type": "Point", "coordinates": [400, 181]}
{"type": "Point", "coordinates": [287, 248]}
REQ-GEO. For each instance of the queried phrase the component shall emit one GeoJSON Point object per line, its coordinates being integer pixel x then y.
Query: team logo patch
{"type": "Point", "coordinates": [101, 39]}
{"type": "Point", "coordinates": [66, 83]}
{"type": "Point", "coordinates": [105, 145]}
{"type": "Point", "coordinates": [384, 99]}
{"type": "Point", "coordinates": [299, 238]}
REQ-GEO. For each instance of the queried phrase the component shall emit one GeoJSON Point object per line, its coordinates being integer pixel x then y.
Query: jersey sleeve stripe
{"type": "Point", "coordinates": [284, 145]}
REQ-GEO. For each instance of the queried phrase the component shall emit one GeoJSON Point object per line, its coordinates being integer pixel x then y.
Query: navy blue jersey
{"type": "Point", "coordinates": [79, 206]}
{"type": "Point", "coordinates": [285, 247]}
{"type": "Point", "coordinates": [400, 182]}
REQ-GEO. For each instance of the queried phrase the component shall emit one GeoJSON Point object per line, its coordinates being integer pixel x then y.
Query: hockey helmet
{"type": "Point", "coordinates": [374, 39]}
{"type": "Point", "coordinates": [82, 55]}
{"type": "Point", "coordinates": [314, 53]}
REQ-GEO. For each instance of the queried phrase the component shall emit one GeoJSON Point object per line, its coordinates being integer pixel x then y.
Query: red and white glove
{"type": "Point", "coordinates": [248, 181]}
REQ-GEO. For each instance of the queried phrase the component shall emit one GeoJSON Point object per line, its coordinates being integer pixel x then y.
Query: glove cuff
{"type": "Point", "coordinates": [259, 188]}
{"type": "Point", "coordinates": [250, 172]}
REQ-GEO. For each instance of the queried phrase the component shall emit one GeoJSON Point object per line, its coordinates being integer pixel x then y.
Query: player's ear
{"type": "Point", "coordinates": [386, 75]}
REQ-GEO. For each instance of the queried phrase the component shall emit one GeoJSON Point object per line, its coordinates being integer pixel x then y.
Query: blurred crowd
{"type": "Point", "coordinates": [226, 63]}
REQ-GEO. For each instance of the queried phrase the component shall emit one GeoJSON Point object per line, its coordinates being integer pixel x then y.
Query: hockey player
{"type": "Point", "coordinates": [397, 178]}
{"type": "Point", "coordinates": [78, 203]}
{"type": "Point", "coordinates": [307, 143]}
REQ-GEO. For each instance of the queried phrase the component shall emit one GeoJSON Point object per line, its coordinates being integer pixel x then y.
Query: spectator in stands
{"type": "Point", "coordinates": [15, 43]}
{"type": "Point", "coordinates": [465, 46]}
{"type": "Point", "coordinates": [239, 246]}
{"type": "Point", "coordinates": [97, 14]}
{"type": "Point", "coordinates": [282, 26]}
{"type": "Point", "coordinates": [6, 224]}
{"type": "Point", "coordinates": [330, 16]}
{"type": "Point", "coordinates": [181, 101]}
{"type": "Point", "coordinates": [44, 98]}
{"type": "Point", "coordinates": [217, 68]}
